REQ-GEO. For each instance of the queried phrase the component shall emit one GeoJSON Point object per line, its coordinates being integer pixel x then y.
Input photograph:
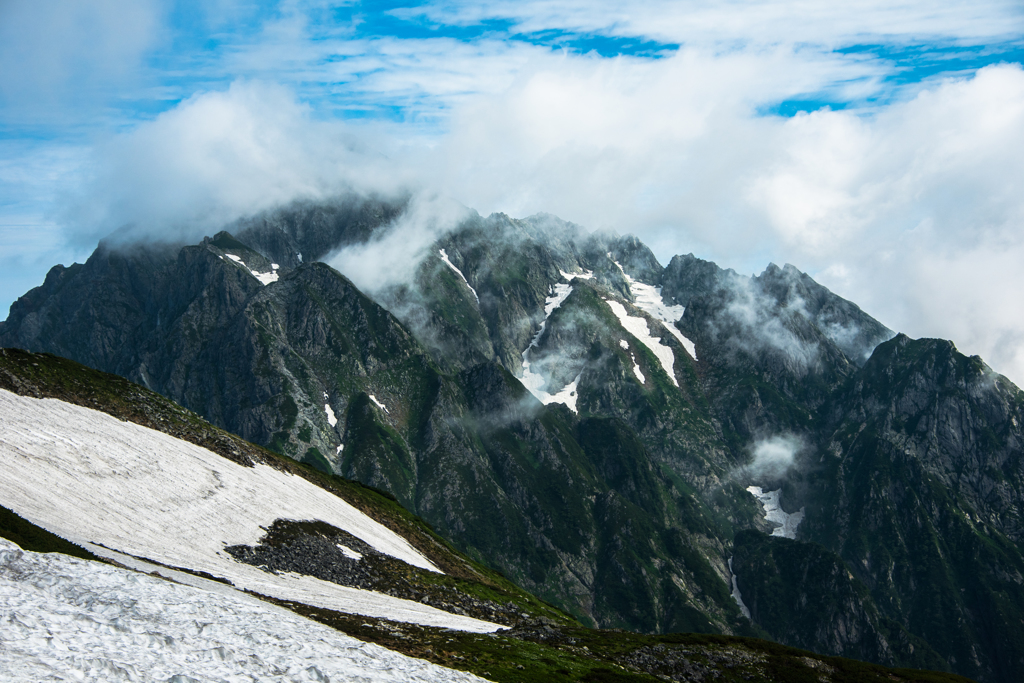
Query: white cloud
{"type": "Point", "coordinates": [221, 155]}
{"type": "Point", "coordinates": [392, 256]}
{"type": "Point", "coordinates": [771, 458]}
{"type": "Point", "coordinates": [745, 21]}
{"type": "Point", "coordinates": [914, 213]}
{"type": "Point", "coordinates": [890, 208]}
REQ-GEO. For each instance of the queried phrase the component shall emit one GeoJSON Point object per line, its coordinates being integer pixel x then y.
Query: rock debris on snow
{"type": "Point", "coordinates": [147, 494]}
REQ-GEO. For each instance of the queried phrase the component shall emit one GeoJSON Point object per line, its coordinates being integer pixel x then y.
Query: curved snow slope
{"type": "Point", "coordinates": [91, 478]}
{"type": "Point", "coordinates": [70, 619]}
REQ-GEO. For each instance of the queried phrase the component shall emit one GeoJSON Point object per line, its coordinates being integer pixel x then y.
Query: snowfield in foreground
{"type": "Point", "coordinates": [68, 619]}
{"type": "Point", "coordinates": [90, 478]}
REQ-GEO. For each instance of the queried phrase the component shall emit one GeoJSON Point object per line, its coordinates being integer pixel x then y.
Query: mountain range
{"type": "Point", "coordinates": [647, 448]}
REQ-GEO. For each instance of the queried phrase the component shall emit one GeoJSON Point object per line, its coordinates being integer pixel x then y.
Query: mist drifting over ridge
{"type": "Point", "coordinates": [876, 185]}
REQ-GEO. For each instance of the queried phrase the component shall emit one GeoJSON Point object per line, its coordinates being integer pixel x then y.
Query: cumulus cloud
{"type": "Point", "coordinates": [914, 213]}
{"type": "Point", "coordinates": [218, 156]}
{"type": "Point", "coordinates": [910, 210]}
{"type": "Point", "coordinates": [772, 457]}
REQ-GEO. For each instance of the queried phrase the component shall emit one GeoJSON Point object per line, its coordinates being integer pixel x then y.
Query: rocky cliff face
{"type": "Point", "coordinates": [919, 492]}
{"type": "Point", "coordinates": [570, 412]}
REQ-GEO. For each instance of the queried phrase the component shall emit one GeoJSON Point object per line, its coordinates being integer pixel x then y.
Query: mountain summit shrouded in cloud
{"type": "Point", "coordinates": [875, 146]}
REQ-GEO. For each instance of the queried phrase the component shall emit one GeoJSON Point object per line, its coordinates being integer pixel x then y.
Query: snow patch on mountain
{"type": "Point", "coordinates": [787, 522]}
{"type": "Point", "coordinates": [379, 404]}
{"type": "Point", "coordinates": [648, 299]}
{"type": "Point", "coordinates": [444, 257]}
{"type": "Point", "coordinates": [89, 477]}
{"type": "Point", "coordinates": [637, 327]}
{"type": "Point", "coordinates": [348, 552]}
{"type": "Point", "coordinates": [636, 368]}
{"type": "Point", "coordinates": [535, 382]}
{"type": "Point", "coordinates": [331, 418]}
{"type": "Point", "coordinates": [264, 278]}
{"type": "Point", "coordinates": [559, 293]}
{"type": "Point", "coordinates": [583, 275]}
{"type": "Point", "coordinates": [70, 619]}
{"type": "Point", "coordinates": [568, 394]}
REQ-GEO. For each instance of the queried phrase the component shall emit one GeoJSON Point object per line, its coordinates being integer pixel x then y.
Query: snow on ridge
{"type": "Point", "coordinates": [637, 327]}
{"type": "Point", "coordinates": [144, 493]}
{"type": "Point", "coordinates": [648, 299]}
{"type": "Point", "coordinates": [264, 278]}
{"type": "Point", "coordinates": [773, 512]}
{"type": "Point", "coordinates": [379, 404]}
{"type": "Point", "coordinates": [584, 275]}
{"type": "Point", "coordinates": [67, 618]}
{"type": "Point", "coordinates": [444, 257]}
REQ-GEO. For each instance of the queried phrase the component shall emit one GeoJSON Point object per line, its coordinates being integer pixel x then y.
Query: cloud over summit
{"type": "Point", "coordinates": [898, 187]}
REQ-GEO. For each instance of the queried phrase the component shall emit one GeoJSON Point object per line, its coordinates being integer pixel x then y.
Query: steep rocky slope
{"type": "Point", "coordinates": [565, 409]}
{"type": "Point", "coordinates": [114, 623]}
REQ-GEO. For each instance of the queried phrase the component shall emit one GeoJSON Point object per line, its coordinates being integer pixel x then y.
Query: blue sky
{"type": "Point", "coordinates": [872, 144]}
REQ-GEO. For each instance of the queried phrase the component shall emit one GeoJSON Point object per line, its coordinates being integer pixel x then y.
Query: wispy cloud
{"type": "Point", "coordinates": [63, 61]}
{"type": "Point", "coordinates": [793, 21]}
